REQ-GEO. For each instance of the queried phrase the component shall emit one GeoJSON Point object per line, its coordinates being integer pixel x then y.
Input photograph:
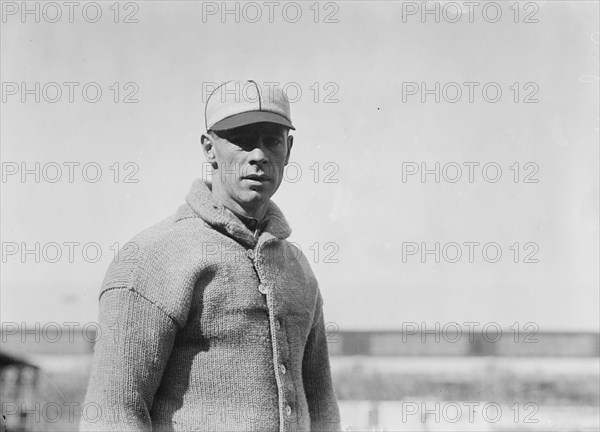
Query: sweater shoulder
{"type": "Point", "coordinates": [162, 263]}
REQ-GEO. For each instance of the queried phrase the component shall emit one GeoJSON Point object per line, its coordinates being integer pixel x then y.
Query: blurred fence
{"type": "Point", "coordinates": [385, 380]}
{"type": "Point", "coordinates": [424, 344]}
{"type": "Point", "coordinates": [56, 339]}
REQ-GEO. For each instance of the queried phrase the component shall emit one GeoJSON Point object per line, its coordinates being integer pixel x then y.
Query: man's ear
{"type": "Point", "coordinates": [208, 148]}
{"type": "Point", "coordinates": [290, 143]}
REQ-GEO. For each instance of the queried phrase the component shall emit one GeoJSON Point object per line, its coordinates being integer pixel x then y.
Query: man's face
{"type": "Point", "coordinates": [250, 161]}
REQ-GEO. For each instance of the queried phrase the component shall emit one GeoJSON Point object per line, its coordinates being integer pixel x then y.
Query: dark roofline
{"type": "Point", "coordinates": [10, 360]}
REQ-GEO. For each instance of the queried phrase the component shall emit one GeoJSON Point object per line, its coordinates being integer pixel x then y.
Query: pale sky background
{"type": "Point", "coordinates": [369, 133]}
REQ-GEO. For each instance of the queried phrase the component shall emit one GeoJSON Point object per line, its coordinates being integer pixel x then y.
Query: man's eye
{"type": "Point", "coordinates": [272, 141]}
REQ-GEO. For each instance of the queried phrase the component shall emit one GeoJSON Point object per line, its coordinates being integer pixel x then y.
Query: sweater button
{"type": "Point", "coordinates": [288, 410]}
{"type": "Point", "coordinates": [250, 253]}
{"type": "Point", "coordinates": [278, 325]}
{"type": "Point", "coordinates": [263, 289]}
{"type": "Point", "coordinates": [282, 368]}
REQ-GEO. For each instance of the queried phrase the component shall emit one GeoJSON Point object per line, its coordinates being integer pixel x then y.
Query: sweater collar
{"type": "Point", "coordinates": [202, 201]}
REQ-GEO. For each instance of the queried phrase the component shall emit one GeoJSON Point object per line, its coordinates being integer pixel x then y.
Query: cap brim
{"type": "Point", "coordinates": [251, 117]}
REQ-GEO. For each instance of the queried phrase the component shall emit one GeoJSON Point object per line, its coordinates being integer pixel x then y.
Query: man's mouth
{"type": "Point", "coordinates": [257, 177]}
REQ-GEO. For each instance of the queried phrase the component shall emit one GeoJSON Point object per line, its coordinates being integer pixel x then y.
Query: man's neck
{"type": "Point", "coordinates": [257, 213]}
{"type": "Point", "coordinates": [255, 226]}
{"type": "Point", "coordinates": [245, 214]}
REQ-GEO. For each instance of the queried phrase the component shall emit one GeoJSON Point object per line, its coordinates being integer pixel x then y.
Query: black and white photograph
{"type": "Point", "coordinates": [281, 216]}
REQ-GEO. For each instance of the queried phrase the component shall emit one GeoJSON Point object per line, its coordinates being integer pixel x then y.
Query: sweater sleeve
{"type": "Point", "coordinates": [133, 345]}
{"type": "Point", "coordinates": [316, 376]}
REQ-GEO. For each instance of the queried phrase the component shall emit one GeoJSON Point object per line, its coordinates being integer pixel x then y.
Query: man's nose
{"type": "Point", "coordinates": [258, 154]}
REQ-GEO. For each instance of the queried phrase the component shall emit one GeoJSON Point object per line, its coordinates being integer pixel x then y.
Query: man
{"type": "Point", "coordinates": [216, 323]}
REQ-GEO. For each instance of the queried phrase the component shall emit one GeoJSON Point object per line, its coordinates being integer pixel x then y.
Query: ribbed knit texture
{"type": "Point", "coordinates": [188, 341]}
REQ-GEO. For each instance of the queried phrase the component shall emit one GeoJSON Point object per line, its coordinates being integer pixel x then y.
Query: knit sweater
{"type": "Point", "coordinates": [204, 327]}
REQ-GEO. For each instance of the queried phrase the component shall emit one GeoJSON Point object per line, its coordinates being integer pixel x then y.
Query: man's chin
{"type": "Point", "coordinates": [254, 196]}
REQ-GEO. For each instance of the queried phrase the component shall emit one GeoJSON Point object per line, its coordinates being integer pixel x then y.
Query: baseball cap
{"type": "Point", "coordinates": [239, 103]}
